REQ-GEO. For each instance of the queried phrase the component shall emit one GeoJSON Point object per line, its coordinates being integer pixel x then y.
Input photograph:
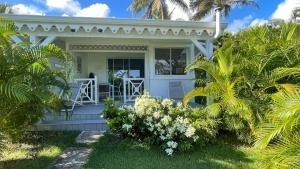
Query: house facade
{"type": "Point", "coordinates": [144, 54]}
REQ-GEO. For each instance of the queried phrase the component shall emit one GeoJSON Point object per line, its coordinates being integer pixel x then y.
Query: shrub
{"type": "Point", "coordinates": [162, 122]}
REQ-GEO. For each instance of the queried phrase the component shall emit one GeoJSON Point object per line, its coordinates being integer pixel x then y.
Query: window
{"type": "Point", "coordinates": [170, 61]}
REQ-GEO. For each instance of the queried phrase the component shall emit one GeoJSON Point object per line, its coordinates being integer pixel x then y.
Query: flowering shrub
{"type": "Point", "coordinates": [162, 122]}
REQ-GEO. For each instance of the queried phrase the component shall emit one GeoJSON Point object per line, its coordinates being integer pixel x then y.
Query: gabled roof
{"type": "Point", "coordinates": [79, 26]}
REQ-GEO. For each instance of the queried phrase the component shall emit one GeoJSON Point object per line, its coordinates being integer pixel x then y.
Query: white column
{"type": "Point", "coordinates": [96, 91]}
{"type": "Point", "coordinates": [124, 90]}
{"type": "Point", "coordinates": [209, 49]}
{"type": "Point", "coordinates": [210, 53]}
{"type": "Point", "coordinates": [33, 40]}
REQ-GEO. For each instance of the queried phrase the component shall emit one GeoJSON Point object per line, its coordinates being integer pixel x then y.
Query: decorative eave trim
{"type": "Point", "coordinates": [107, 47]}
{"type": "Point", "coordinates": [115, 26]}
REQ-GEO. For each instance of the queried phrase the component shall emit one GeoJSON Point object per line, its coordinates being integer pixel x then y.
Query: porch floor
{"type": "Point", "coordinates": [89, 109]}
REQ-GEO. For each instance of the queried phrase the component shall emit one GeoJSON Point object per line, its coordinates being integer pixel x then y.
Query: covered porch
{"type": "Point", "coordinates": [121, 58]}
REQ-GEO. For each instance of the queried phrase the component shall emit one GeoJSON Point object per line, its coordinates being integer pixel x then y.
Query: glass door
{"type": "Point", "coordinates": [124, 67]}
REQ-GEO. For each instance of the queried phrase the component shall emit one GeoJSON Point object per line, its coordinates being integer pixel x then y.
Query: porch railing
{"type": "Point", "coordinates": [88, 90]}
{"type": "Point", "coordinates": [132, 87]}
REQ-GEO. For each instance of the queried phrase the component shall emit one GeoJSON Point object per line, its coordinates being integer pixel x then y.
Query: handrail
{"type": "Point", "coordinates": [94, 90]}
{"type": "Point", "coordinates": [133, 88]}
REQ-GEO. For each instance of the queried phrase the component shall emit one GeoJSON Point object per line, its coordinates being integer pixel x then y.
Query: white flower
{"type": "Point", "coordinates": [156, 114]}
{"type": "Point", "coordinates": [169, 151]}
{"type": "Point", "coordinates": [150, 128]}
{"type": "Point", "coordinates": [167, 103]}
{"type": "Point", "coordinates": [190, 131]}
{"type": "Point", "coordinates": [127, 127]}
{"type": "Point", "coordinates": [131, 117]}
{"type": "Point", "coordinates": [162, 137]}
{"type": "Point", "coordinates": [171, 130]}
{"type": "Point", "coordinates": [166, 120]}
{"type": "Point", "coordinates": [121, 109]}
{"type": "Point", "coordinates": [172, 144]}
{"type": "Point", "coordinates": [195, 138]}
{"type": "Point", "coordinates": [179, 105]}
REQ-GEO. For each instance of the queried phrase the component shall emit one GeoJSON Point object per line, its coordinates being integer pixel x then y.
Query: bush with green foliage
{"type": "Point", "coordinates": [26, 81]}
{"type": "Point", "coordinates": [246, 69]}
{"type": "Point", "coordinates": [162, 122]}
{"type": "Point", "coordinates": [279, 134]}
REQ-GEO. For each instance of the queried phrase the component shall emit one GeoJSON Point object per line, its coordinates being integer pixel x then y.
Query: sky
{"type": "Point", "coordinates": [239, 18]}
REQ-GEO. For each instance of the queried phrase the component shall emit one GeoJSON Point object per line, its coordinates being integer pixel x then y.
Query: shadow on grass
{"type": "Point", "coordinates": [113, 153]}
{"type": "Point", "coordinates": [37, 150]}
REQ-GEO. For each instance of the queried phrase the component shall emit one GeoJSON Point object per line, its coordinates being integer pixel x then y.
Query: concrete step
{"type": "Point", "coordinates": [78, 116]}
{"type": "Point", "coordinates": [73, 125]}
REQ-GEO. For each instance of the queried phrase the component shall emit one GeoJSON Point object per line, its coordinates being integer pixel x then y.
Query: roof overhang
{"type": "Point", "coordinates": [60, 26]}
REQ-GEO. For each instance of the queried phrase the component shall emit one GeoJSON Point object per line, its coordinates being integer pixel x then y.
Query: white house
{"type": "Point", "coordinates": [149, 54]}
{"type": "Point", "coordinates": [156, 51]}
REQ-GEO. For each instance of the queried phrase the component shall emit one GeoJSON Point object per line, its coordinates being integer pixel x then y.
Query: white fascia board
{"type": "Point", "coordinates": [110, 21]}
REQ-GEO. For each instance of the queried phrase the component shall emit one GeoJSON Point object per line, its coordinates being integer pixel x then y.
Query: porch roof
{"type": "Point", "coordinates": [60, 26]}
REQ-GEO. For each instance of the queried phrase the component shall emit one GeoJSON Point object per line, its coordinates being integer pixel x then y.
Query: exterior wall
{"type": "Point", "coordinates": [159, 84]}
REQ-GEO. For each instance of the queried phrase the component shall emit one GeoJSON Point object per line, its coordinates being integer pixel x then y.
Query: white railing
{"type": "Point", "coordinates": [132, 87]}
{"type": "Point", "coordinates": [88, 90]}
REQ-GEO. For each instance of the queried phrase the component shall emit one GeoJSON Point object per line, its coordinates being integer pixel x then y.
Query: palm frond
{"type": "Point", "coordinates": [283, 118]}
{"type": "Point", "coordinates": [282, 153]}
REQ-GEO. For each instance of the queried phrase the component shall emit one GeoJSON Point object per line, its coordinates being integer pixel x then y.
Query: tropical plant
{"type": "Point", "coordinates": [27, 81]}
{"type": "Point", "coordinates": [246, 69]}
{"type": "Point", "coordinates": [202, 8]}
{"type": "Point", "coordinates": [5, 8]}
{"type": "Point", "coordinates": [279, 135]}
{"type": "Point", "coordinates": [269, 56]}
{"type": "Point", "coordinates": [221, 90]}
{"type": "Point", "coordinates": [156, 9]}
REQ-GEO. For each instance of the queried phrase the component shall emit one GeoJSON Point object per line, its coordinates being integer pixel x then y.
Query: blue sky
{"type": "Point", "coordinates": [240, 17]}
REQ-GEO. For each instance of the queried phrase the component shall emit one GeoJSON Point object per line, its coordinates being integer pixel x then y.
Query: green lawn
{"type": "Point", "coordinates": [113, 153]}
{"type": "Point", "coordinates": [37, 151]}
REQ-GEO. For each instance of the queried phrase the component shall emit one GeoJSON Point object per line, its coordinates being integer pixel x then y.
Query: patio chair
{"type": "Point", "coordinates": [70, 102]}
{"type": "Point", "coordinates": [176, 90]}
{"type": "Point", "coordinates": [105, 89]}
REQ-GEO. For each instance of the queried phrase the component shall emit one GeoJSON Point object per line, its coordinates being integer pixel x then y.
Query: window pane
{"type": "Point", "coordinates": [136, 68]}
{"type": "Point", "coordinates": [162, 62]}
{"type": "Point", "coordinates": [178, 58]}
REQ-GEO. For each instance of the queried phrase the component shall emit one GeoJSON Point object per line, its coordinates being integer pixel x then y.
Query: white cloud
{"type": "Point", "coordinates": [95, 10]}
{"type": "Point", "coordinates": [258, 22]}
{"type": "Point", "coordinates": [22, 9]}
{"type": "Point", "coordinates": [239, 24]}
{"type": "Point", "coordinates": [67, 6]}
{"type": "Point", "coordinates": [284, 9]}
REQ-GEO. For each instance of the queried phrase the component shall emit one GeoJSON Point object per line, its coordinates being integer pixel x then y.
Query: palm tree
{"type": "Point", "coordinates": [221, 88]}
{"type": "Point", "coordinates": [26, 81]}
{"type": "Point", "coordinates": [156, 9]}
{"type": "Point", "coordinates": [5, 8]}
{"type": "Point", "coordinates": [296, 14]}
{"type": "Point", "coordinates": [279, 135]}
{"type": "Point", "coordinates": [202, 8]}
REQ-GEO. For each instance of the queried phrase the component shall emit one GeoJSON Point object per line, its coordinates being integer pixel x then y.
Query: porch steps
{"type": "Point", "coordinates": [83, 118]}
{"type": "Point", "coordinates": [77, 116]}
{"type": "Point", "coordinates": [73, 125]}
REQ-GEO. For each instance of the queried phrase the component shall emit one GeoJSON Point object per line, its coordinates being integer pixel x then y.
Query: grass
{"type": "Point", "coordinates": [37, 150]}
{"type": "Point", "coordinates": [113, 153]}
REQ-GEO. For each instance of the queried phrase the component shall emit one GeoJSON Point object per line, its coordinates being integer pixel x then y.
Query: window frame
{"type": "Point", "coordinates": [170, 60]}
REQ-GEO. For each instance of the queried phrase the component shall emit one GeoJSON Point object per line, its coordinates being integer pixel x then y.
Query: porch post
{"type": "Point", "coordinates": [209, 49]}
{"type": "Point", "coordinates": [96, 91]}
{"type": "Point", "coordinates": [124, 89]}
{"type": "Point", "coordinates": [210, 54]}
